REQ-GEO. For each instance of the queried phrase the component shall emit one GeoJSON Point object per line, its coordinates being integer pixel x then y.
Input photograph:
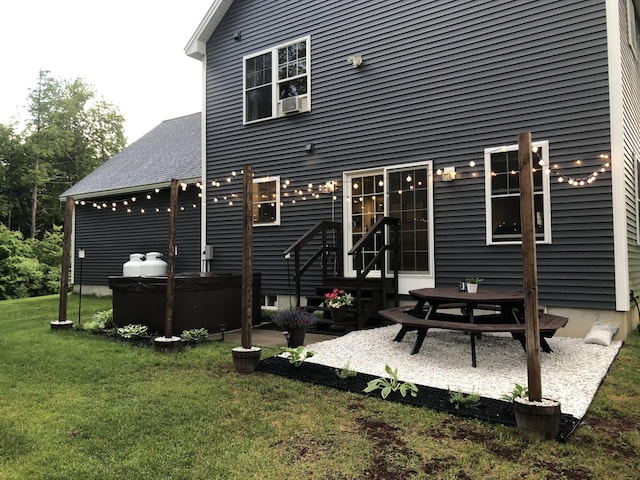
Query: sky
{"type": "Point", "coordinates": [130, 51]}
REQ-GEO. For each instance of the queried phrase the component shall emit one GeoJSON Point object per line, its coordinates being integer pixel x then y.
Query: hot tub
{"type": "Point", "coordinates": [202, 300]}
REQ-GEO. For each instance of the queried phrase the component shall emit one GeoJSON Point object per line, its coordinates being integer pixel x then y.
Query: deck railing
{"type": "Point", "coordinates": [324, 252]}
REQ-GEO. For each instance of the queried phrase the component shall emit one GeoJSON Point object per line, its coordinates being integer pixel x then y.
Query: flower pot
{"type": "Point", "coordinates": [472, 287]}
{"type": "Point", "coordinates": [296, 337]}
{"type": "Point", "coordinates": [339, 315]}
{"type": "Point", "coordinates": [245, 360]}
{"type": "Point", "coordinates": [539, 420]}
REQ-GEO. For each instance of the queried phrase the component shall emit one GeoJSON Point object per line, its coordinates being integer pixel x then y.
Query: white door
{"type": "Point", "coordinates": [400, 191]}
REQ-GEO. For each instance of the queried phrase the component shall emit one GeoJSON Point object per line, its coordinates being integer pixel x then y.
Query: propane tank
{"type": "Point", "coordinates": [153, 266]}
{"type": "Point", "coordinates": [133, 267]}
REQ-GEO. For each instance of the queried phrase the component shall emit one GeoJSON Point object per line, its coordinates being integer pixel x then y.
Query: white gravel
{"type": "Point", "coordinates": [571, 374]}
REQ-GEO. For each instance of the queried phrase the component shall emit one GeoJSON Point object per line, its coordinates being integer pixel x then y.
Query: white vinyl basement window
{"type": "Point", "coordinates": [266, 201]}
{"type": "Point", "coordinates": [277, 81]}
{"type": "Point", "coordinates": [502, 190]}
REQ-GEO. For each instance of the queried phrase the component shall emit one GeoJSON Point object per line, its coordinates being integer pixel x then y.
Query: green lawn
{"type": "Point", "coordinates": [74, 405]}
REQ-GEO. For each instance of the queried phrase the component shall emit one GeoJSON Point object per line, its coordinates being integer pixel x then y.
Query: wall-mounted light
{"type": "Point", "coordinates": [309, 147]}
{"type": "Point", "coordinates": [448, 174]}
{"type": "Point", "coordinates": [355, 60]}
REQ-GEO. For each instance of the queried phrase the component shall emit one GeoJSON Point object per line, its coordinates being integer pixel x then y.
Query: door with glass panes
{"type": "Point", "coordinates": [403, 192]}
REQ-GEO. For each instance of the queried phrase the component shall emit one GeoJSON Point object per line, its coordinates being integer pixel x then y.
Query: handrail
{"type": "Point", "coordinates": [323, 251]}
{"type": "Point", "coordinates": [390, 243]}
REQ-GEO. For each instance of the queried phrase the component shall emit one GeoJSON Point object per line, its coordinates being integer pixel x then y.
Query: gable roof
{"type": "Point", "coordinates": [197, 46]}
{"type": "Point", "coordinates": [170, 150]}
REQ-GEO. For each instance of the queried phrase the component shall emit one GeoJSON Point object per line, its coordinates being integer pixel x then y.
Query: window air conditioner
{"type": "Point", "coordinates": [290, 104]}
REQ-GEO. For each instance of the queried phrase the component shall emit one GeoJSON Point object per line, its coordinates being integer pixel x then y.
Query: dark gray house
{"type": "Point", "coordinates": [121, 207]}
{"type": "Point", "coordinates": [354, 110]}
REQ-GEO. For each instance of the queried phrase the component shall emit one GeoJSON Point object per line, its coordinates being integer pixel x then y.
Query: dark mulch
{"type": "Point", "coordinates": [490, 410]}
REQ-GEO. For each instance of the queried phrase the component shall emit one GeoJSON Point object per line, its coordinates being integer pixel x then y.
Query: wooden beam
{"type": "Point", "coordinates": [171, 273]}
{"type": "Point", "coordinates": [247, 257]}
{"type": "Point", "coordinates": [529, 264]}
{"type": "Point", "coordinates": [66, 259]}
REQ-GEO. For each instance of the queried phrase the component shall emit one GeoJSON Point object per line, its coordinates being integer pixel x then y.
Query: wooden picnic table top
{"type": "Point", "coordinates": [453, 295]}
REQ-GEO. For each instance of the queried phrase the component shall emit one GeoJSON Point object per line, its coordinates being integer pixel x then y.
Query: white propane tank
{"type": "Point", "coordinates": [153, 266]}
{"type": "Point", "coordinates": [133, 267]}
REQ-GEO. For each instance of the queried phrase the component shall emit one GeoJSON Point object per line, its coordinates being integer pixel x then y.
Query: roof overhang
{"type": "Point", "coordinates": [126, 190]}
{"type": "Point", "coordinates": [197, 46]}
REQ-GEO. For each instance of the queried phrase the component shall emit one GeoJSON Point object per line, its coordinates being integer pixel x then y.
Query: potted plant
{"type": "Point", "coordinates": [338, 302]}
{"type": "Point", "coordinates": [294, 323]}
{"type": "Point", "coordinates": [472, 284]}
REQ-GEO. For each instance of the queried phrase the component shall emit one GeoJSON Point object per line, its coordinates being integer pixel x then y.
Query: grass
{"type": "Point", "coordinates": [79, 406]}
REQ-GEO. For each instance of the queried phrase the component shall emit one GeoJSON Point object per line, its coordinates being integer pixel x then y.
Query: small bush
{"type": "Point", "coordinates": [131, 332]}
{"type": "Point", "coordinates": [195, 335]}
{"type": "Point", "coordinates": [99, 321]}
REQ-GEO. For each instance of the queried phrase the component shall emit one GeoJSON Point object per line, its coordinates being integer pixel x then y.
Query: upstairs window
{"type": "Point", "coordinates": [277, 81]}
{"type": "Point", "coordinates": [502, 181]}
{"type": "Point", "coordinates": [266, 201]}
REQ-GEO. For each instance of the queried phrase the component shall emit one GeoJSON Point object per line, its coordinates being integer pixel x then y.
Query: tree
{"type": "Point", "coordinates": [69, 134]}
{"type": "Point", "coordinates": [14, 169]}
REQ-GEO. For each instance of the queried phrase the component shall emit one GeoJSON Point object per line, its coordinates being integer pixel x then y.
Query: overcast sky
{"type": "Point", "coordinates": [130, 51]}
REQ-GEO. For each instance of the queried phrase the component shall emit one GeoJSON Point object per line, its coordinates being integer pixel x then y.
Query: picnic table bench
{"type": "Point", "coordinates": [414, 318]}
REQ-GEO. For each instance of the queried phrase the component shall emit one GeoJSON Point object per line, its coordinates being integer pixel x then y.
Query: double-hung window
{"type": "Point", "coordinates": [502, 182]}
{"type": "Point", "coordinates": [266, 201]}
{"type": "Point", "coordinates": [277, 81]}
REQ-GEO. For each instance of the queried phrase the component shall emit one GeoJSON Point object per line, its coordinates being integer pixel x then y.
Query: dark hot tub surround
{"type": "Point", "coordinates": [202, 300]}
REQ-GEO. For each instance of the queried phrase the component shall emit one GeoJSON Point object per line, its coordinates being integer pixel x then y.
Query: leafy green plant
{"type": "Point", "coordinates": [99, 321]}
{"type": "Point", "coordinates": [473, 280]}
{"type": "Point", "coordinates": [518, 392]}
{"type": "Point", "coordinates": [132, 331]}
{"type": "Point", "coordinates": [195, 335]}
{"type": "Point", "coordinates": [459, 399]}
{"type": "Point", "coordinates": [298, 355]}
{"type": "Point", "coordinates": [346, 372]}
{"type": "Point", "coordinates": [392, 384]}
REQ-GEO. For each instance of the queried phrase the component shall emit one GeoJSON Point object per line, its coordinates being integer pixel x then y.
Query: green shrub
{"type": "Point", "coordinates": [99, 321]}
{"type": "Point", "coordinates": [132, 331]}
{"type": "Point", "coordinates": [195, 335]}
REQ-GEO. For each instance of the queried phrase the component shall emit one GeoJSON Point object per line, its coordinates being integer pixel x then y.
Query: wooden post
{"type": "Point", "coordinates": [527, 223]}
{"type": "Point", "coordinates": [173, 215]}
{"type": "Point", "coordinates": [66, 250]}
{"type": "Point", "coordinates": [247, 257]}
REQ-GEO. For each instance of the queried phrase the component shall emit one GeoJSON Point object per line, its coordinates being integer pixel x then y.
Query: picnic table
{"type": "Point", "coordinates": [503, 312]}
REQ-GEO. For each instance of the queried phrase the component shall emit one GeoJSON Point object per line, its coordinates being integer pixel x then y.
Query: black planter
{"type": "Point", "coordinates": [296, 338]}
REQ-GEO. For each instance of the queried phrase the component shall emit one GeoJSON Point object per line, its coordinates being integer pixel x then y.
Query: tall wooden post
{"type": "Point", "coordinates": [173, 216]}
{"type": "Point", "coordinates": [529, 263]}
{"type": "Point", "coordinates": [66, 259]}
{"type": "Point", "coordinates": [247, 257]}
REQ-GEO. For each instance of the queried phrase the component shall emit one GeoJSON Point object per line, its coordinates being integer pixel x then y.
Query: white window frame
{"type": "Point", "coordinates": [636, 184]}
{"type": "Point", "coordinates": [276, 108]}
{"type": "Point", "coordinates": [256, 201]}
{"type": "Point", "coordinates": [633, 9]}
{"type": "Point", "coordinates": [543, 146]}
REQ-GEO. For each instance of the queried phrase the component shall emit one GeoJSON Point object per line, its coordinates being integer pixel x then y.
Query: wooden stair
{"type": "Point", "coordinates": [371, 301]}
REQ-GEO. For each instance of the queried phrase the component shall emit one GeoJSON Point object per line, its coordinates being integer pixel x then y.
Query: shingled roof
{"type": "Point", "coordinates": [170, 150]}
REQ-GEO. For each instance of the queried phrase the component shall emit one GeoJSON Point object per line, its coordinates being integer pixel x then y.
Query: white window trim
{"type": "Point", "coordinates": [636, 172]}
{"type": "Point", "coordinates": [406, 281]}
{"type": "Point", "coordinates": [546, 193]}
{"type": "Point", "coordinates": [275, 111]}
{"type": "Point", "coordinates": [275, 179]}
{"type": "Point", "coordinates": [632, 10]}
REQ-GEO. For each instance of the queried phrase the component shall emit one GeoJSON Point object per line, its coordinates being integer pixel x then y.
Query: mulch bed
{"type": "Point", "coordinates": [490, 410]}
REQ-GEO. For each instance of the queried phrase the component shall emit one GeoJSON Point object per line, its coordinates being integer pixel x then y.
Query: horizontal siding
{"type": "Point", "coordinates": [441, 81]}
{"type": "Point", "coordinates": [110, 237]}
